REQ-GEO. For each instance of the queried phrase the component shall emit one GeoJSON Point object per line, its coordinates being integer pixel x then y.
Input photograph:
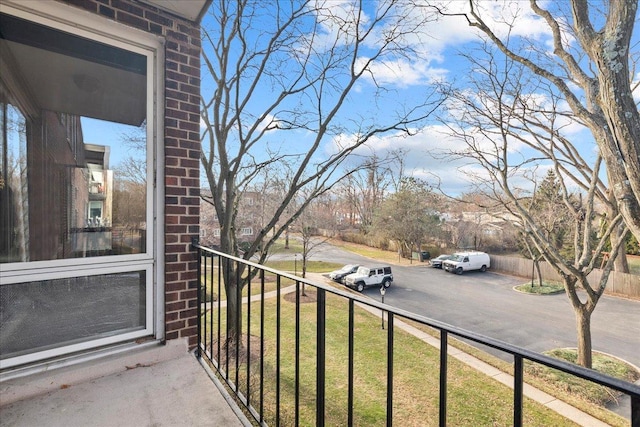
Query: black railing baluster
{"type": "Point", "coordinates": [211, 308]}
{"type": "Point", "coordinates": [238, 322]}
{"type": "Point", "coordinates": [297, 357]}
{"type": "Point", "coordinates": [226, 336]}
{"type": "Point", "coordinates": [219, 333]}
{"type": "Point", "coordinates": [199, 301]}
{"type": "Point", "coordinates": [444, 349]}
{"type": "Point", "coordinates": [278, 322]}
{"type": "Point", "coordinates": [211, 305]}
{"type": "Point", "coordinates": [390, 335]}
{"type": "Point", "coordinates": [248, 370]}
{"type": "Point", "coordinates": [350, 374]}
{"type": "Point", "coordinates": [320, 356]}
{"type": "Point", "coordinates": [205, 348]}
{"type": "Point", "coordinates": [202, 294]}
{"type": "Point", "coordinates": [261, 346]}
{"type": "Point", "coordinates": [517, 390]}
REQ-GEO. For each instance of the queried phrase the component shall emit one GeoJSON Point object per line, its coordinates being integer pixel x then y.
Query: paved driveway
{"type": "Point", "coordinates": [486, 303]}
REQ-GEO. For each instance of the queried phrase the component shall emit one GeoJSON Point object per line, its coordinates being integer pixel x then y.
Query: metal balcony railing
{"type": "Point", "coordinates": [247, 378]}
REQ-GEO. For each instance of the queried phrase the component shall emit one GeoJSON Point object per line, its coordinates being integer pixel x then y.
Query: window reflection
{"type": "Point", "coordinates": [73, 146]}
{"type": "Point", "coordinates": [62, 198]}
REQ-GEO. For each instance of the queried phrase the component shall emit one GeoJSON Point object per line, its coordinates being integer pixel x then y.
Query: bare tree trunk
{"type": "Point", "coordinates": [583, 326]}
{"type": "Point", "coordinates": [582, 312]}
{"type": "Point", "coordinates": [535, 260]}
{"type": "Point", "coordinates": [621, 263]}
{"type": "Point", "coordinates": [536, 263]}
{"type": "Point", "coordinates": [286, 238]}
{"type": "Point", "coordinates": [234, 302]}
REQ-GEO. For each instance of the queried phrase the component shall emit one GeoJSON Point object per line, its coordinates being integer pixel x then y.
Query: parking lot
{"type": "Point", "coordinates": [486, 303]}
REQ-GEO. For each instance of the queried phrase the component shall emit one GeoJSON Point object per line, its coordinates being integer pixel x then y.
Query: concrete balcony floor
{"type": "Point", "coordinates": [160, 386]}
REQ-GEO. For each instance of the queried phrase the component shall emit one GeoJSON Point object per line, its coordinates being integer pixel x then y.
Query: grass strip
{"type": "Point", "coordinates": [473, 398]}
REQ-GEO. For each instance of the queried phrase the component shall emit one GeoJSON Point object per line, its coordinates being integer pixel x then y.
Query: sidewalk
{"type": "Point", "coordinates": [160, 387]}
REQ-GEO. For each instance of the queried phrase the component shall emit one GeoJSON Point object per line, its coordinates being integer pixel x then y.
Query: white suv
{"type": "Point", "coordinates": [369, 276]}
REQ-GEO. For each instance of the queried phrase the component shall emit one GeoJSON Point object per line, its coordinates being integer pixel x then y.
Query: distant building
{"type": "Point", "coordinates": [253, 211]}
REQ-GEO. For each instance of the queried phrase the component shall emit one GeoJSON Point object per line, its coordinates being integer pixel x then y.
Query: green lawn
{"type": "Point", "coordinates": [473, 398]}
{"type": "Point", "coordinates": [547, 288]}
{"type": "Point", "coordinates": [210, 277]}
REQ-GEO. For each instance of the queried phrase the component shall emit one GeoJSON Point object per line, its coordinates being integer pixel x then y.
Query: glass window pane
{"type": "Point", "coordinates": [40, 315]}
{"type": "Point", "coordinates": [73, 178]}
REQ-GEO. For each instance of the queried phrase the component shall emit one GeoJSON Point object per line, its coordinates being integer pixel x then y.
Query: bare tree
{"type": "Point", "coordinates": [130, 183]}
{"type": "Point", "coordinates": [315, 228]}
{"type": "Point", "coordinates": [512, 128]}
{"type": "Point", "coordinates": [535, 256]}
{"type": "Point", "coordinates": [365, 188]}
{"type": "Point", "coordinates": [589, 67]}
{"type": "Point", "coordinates": [285, 72]}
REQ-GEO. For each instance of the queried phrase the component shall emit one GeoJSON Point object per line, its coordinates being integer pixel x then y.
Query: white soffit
{"type": "Point", "coordinates": [192, 10]}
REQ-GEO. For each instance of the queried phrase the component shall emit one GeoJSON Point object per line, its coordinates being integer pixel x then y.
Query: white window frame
{"type": "Point", "coordinates": [86, 345]}
{"type": "Point", "coordinates": [94, 27]}
{"type": "Point", "coordinates": [93, 204]}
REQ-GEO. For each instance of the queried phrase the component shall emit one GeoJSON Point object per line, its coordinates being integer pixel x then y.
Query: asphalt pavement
{"type": "Point", "coordinates": [487, 304]}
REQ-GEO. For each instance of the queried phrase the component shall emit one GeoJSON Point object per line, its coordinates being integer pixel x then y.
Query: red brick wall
{"type": "Point", "coordinates": [182, 150]}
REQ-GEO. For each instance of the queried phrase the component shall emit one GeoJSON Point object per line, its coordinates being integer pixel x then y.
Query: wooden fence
{"type": "Point", "coordinates": [618, 284]}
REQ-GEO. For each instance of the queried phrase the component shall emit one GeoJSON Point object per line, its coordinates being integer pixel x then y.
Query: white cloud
{"type": "Point", "coordinates": [436, 38]}
{"type": "Point", "coordinates": [428, 155]}
{"type": "Point", "coordinates": [403, 73]}
{"type": "Point", "coordinates": [425, 155]}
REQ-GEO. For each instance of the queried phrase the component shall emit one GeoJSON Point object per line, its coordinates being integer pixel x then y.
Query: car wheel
{"type": "Point", "coordinates": [360, 286]}
{"type": "Point", "coordinates": [386, 283]}
{"type": "Point", "coordinates": [459, 270]}
{"type": "Point", "coordinates": [483, 268]}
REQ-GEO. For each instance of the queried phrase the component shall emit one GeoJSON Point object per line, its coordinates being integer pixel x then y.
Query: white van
{"type": "Point", "coordinates": [465, 261]}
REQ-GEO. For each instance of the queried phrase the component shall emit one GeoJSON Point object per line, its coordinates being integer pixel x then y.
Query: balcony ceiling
{"type": "Point", "coordinates": [192, 10]}
{"type": "Point", "coordinates": [81, 77]}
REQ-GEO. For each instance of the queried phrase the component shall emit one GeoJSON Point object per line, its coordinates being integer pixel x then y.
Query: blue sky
{"type": "Point", "coordinates": [109, 134]}
{"type": "Point", "coordinates": [406, 78]}
{"type": "Point", "coordinates": [438, 47]}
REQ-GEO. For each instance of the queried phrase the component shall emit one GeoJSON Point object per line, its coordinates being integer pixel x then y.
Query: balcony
{"type": "Point", "coordinates": [294, 381]}
{"type": "Point", "coordinates": [96, 191]}
{"type": "Point", "coordinates": [147, 385]}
